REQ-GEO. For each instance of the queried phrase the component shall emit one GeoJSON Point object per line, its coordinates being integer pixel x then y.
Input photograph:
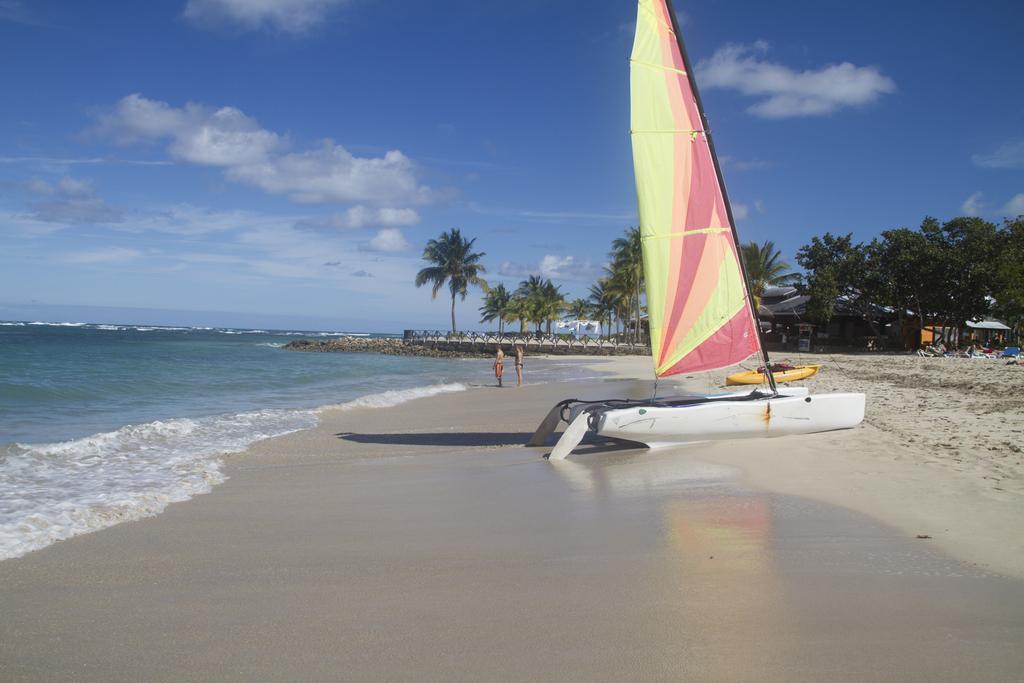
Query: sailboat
{"type": "Point", "coordinates": [699, 302]}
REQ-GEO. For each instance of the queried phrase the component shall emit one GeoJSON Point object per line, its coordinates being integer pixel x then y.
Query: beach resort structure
{"type": "Point", "coordinates": [784, 317]}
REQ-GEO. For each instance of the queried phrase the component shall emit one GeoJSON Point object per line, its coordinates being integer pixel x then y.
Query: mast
{"type": "Point", "coordinates": [721, 185]}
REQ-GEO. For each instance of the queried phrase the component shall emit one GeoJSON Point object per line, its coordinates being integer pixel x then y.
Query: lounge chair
{"type": "Point", "coordinates": [1011, 352]}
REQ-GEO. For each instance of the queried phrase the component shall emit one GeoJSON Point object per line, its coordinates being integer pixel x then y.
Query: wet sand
{"type": "Point", "coordinates": [424, 542]}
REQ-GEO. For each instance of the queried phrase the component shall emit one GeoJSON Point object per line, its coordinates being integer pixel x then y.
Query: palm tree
{"type": "Point", "coordinates": [601, 302]}
{"type": "Point", "coordinates": [454, 262]}
{"type": "Point", "coordinates": [764, 267]}
{"type": "Point", "coordinates": [628, 264]}
{"type": "Point", "coordinates": [578, 309]}
{"type": "Point", "coordinates": [619, 290]}
{"type": "Point", "coordinates": [518, 310]}
{"type": "Point", "coordinates": [543, 300]}
{"type": "Point", "coordinates": [496, 304]}
{"type": "Point", "coordinates": [552, 302]}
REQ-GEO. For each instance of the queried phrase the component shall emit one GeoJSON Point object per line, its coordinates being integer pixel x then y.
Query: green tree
{"type": "Point", "coordinates": [530, 291]}
{"type": "Point", "coordinates": [552, 303]}
{"type": "Point", "coordinates": [496, 303]}
{"type": "Point", "coordinates": [837, 269]}
{"type": "Point", "coordinates": [544, 300]}
{"type": "Point", "coordinates": [628, 268]}
{"type": "Point", "coordinates": [453, 262]}
{"type": "Point", "coordinates": [764, 267]}
{"type": "Point", "coordinates": [966, 253]}
{"type": "Point", "coordinates": [1009, 280]}
{"type": "Point", "coordinates": [578, 309]}
{"type": "Point", "coordinates": [916, 278]}
{"type": "Point", "coordinates": [518, 310]}
{"type": "Point", "coordinates": [601, 303]}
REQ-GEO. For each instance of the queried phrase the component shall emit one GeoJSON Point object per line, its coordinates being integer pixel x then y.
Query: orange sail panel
{"type": "Point", "coordinates": [697, 305]}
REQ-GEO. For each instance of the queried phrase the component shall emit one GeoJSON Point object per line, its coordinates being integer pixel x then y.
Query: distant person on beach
{"type": "Point", "coordinates": [499, 364]}
{"type": "Point", "coordinates": [519, 364]}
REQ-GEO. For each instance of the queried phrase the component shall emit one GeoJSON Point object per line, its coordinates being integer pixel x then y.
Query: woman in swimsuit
{"type": "Point", "coordinates": [499, 364]}
{"type": "Point", "coordinates": [519, 364]}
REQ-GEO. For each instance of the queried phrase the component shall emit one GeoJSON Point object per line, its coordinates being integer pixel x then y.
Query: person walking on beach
{"type": "Point", "coordinates": [499, 364]}
{"type": "Point", "coordinates": [519, 364]}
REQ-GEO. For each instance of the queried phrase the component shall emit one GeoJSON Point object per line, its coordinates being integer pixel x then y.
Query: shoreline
{"type": "Point", "coordinates": [962, 506]}
{"type": "Point", "coordinates": [424, 542]}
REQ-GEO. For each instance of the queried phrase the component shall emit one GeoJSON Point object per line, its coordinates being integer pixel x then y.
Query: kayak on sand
{"type": "Point", "coordinates": [788, 373]}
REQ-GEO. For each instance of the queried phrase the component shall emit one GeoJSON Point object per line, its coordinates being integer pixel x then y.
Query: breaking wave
{"type": "Point", "coordinates": [394, 397]}
{"type": "Point", "coordinates": [54, 491]}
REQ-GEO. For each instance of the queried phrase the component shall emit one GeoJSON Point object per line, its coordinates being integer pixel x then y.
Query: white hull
{"type": "Point", "coordinates": [781, 416]}
{"type": "Point", "coordinates": [658, 426]}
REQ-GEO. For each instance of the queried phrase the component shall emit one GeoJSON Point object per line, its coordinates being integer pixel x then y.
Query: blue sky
{"type": "Point", "coordinates": [282, 162]}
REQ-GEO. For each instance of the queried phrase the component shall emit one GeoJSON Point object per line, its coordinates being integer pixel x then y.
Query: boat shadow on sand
{"type": "Point", "coordinates": [591, 444]}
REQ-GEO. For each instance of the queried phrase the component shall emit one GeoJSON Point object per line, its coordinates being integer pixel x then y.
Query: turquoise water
{"type": "Point", "coordinates": [105, 423]}
{"type": "Point", "coordinates": [61, 381]}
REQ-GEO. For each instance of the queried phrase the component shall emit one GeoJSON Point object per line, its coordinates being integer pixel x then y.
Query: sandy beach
{"type": "Point", "coordinates": [425, 542]}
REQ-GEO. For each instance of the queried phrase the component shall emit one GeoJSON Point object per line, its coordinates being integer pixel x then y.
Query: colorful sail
{"type": "Point", "coordinates": [697, 305]}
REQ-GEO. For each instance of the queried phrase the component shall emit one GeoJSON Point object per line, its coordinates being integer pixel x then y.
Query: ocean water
{"type": "Point", "coordinates": [107, 423]}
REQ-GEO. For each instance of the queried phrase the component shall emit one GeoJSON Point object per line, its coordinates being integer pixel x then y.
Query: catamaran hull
{"type": "Point", "coordinates": [659, 426]}
{"type": "Point", "coordinates": [781, 416]}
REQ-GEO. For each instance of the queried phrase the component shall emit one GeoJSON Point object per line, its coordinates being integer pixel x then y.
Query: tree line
{"type": "Point", "coordinates": [615, 298]}
{"type": "Point", "coordinates": [943, 273]}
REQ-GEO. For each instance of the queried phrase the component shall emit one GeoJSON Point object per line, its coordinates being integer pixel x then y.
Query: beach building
{"type": "Point", "coordinates": [784, 308]}
{"type": "Point", "coordinates": [784, 320]}
{"type": "Point", "coordinates": [987, 332]}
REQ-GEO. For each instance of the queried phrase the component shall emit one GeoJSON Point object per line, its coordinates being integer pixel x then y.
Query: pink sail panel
{"type": "Point", "coordinates": [697, 299]}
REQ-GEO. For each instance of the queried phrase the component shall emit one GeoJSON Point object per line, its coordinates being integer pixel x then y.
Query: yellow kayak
{"type": "Point", "coordinates": [787, 375]}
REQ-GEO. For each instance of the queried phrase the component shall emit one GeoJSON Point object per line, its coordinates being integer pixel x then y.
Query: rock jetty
{"type": "Point", "coordinates": [467, 346]}
{"type": "Point", "coordinates": [386, 346]}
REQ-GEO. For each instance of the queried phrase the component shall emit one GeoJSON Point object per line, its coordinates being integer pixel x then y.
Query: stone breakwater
{"type": "Point", "coordinates": [457, 348]}
{"type": "Point", "coordinates": [386, 346]}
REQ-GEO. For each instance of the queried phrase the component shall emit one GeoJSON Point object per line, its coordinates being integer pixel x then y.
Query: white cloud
{"type": "Point", "coordinates": [290, 16]}
{"type": "Point", "coordinates": [72, 187]}
{"type": "Point", "coordinates": [389, 240]}
{"type": "Point", "coordinates": [66, 161]}
{"type": "Point", "coordinates": [109, 255]}
{"type": "Point", "coordinates": [972, 206]}
{"type": "Point", "coordinates": [1014, 207]}
{"type": "Point", "coordinates": [228, 138]}
{"type": "Point", "coordinates": [66, 186]}
{"type": "Point", "coordinates": [37, 186]}
{"type": "Point", "coordinates": [552, 266]}
{"type": "Point", "coordinates": [332, 174]}
{"type": "Point", "coordinates": [337, 257]}
{"type": "Point", "coordinates": [745, 164]}
{"type": "Point", "coordinates": [15, 12]}
{"type": "Point", "coordinates": [740, 211]}
{"type": "Point", "coordinates": [785, 92]}
{"type": "Point", "coordinates": [363, 217]}
{"type": "Point", "coordinates": [198, 134]}
{"type": "Point", "coordinates": [1008, 155]}
{"type": "Point", "coordinates": [69, 201]}
{"type": "Point", "coordinates": [555, 216]}
{"type": "Point", "coordinates": [76, 210]}
{"type": "Point", "coordinates": [185, 219]}
{"type": "Point", "coordinates": [510, 269]}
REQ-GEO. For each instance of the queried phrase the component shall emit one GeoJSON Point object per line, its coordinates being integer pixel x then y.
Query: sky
{"type": "Point", "coordinates": [281, 163]}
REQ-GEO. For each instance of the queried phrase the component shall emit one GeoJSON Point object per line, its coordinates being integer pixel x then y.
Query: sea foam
{"type": "Point", "coordinates": [50, 492]}
{"type": "Point", "coordinates": [394, 397]}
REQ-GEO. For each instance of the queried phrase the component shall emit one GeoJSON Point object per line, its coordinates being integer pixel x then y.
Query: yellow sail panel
{"type": "Point", "coordinates": [697, 305]}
